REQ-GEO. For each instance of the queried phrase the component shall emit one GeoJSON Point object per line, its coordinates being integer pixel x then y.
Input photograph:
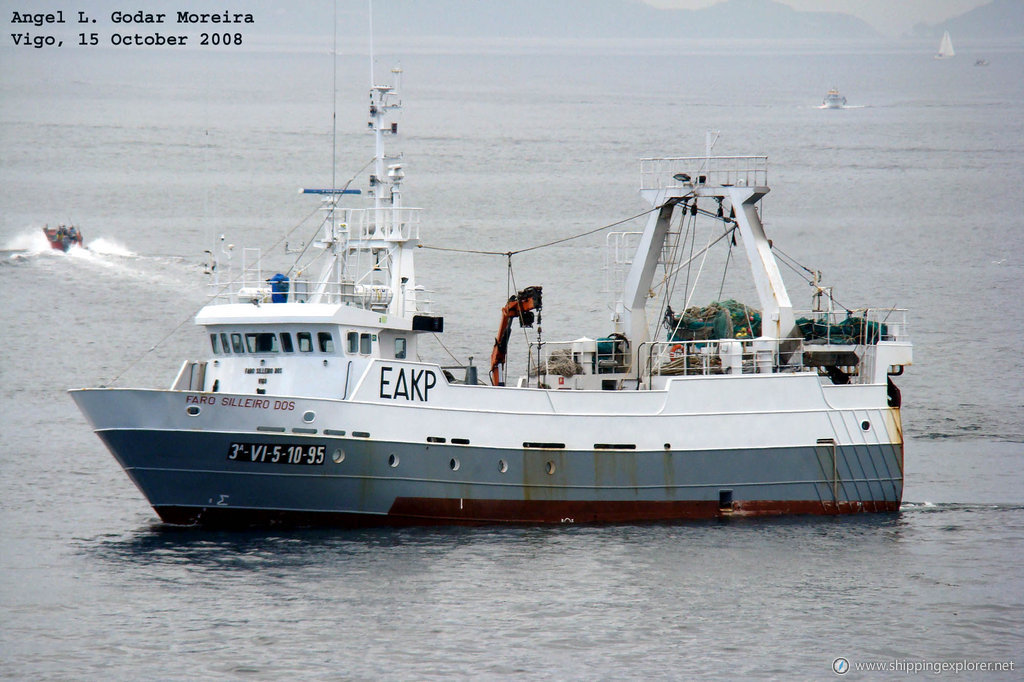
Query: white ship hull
{"type": "Point", "coordinates": [702, 447]}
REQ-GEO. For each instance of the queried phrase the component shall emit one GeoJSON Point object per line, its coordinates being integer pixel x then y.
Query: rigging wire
{"type": "Point", "coordinates": [700, 271]}
{"type": "Point", "coordinates": [671, 279]}
{"type": "Point", "coordinates": [516, 252]}
{"type": "Point", "coordinates": [693, 239]}
{"type": "Point", "coordinates": [450, 354]}
{"type": "Point", "coordinates": [515, 289]}
{"type": "Point", "coordinates": [796, 267]}
{"type": "Point", "coordinates": [794, 260]}
{"type": "Point", "coordinates": [725, 271]}
{"type": "Point", "coordinates": [697, 255]}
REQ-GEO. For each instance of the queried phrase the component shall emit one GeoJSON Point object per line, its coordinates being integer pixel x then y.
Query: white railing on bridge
{"type": "Point", "coordinates": [695, 171]}
{"type": "Point", "coordinates": [388, 224]}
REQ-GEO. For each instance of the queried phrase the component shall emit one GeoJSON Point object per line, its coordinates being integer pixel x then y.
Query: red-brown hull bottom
{"type": "Point", "coordinates": [426, 512]}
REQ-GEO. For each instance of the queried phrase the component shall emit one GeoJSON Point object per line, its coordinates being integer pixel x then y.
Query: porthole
{"type": "Point", "coordinates": [550, 467]}
{"type": "Point", "coordinates": [865, 425]}
{"type": "Point", "coordinates": [309, 417]}
{"type": "Point", "coordinates": [454, 464]}
{"type": "Point", "coordinates": [338, 456]}
{"type": "Point", "coordinates": [502, 466]}
{"type": "Point", "coordinates": [193, 410]}
{"type": "Point", "coordinates": [393, 461]}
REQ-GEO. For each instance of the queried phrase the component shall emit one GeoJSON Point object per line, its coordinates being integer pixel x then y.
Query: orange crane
{"type": "Point", "coordinates": [520, 306]}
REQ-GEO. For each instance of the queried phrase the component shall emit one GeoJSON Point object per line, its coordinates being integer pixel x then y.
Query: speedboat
{"type": "Point", "coordinates": [63, 237]}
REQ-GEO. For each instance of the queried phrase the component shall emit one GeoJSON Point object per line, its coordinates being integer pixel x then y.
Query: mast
{"type": "Point", "coordinates": [371, 250]}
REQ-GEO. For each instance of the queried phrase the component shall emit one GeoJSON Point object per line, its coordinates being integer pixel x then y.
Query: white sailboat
{"type": "Point", "coordinates": [945, 47]}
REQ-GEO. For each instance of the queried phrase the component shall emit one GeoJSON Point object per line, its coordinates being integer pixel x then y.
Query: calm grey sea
{"type": "Point", "coordinates": [911, 197]}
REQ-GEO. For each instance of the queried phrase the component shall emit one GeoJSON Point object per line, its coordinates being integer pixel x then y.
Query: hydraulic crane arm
{"type": "Point", "coordinates": [520, 306]}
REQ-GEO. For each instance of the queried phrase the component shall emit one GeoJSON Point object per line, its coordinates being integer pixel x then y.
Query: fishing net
{"type": "Point", "coordinates": [727, 319]}
{"type": "Point", "coordinates": [560, 363]}
{"type": "Point", "coordinates": [853, 330]}
{"type": "Point", "coordinates": [731, 319]}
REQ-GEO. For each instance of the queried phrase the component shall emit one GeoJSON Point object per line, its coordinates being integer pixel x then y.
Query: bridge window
{"type": "Point", "coordinates": [236, 343]}
{"type": "Point", "coordinates": [365, 344]}
{"type": "Point", "coordinates": [326, 342]}
{"type": "Point", "coordinates": [305, 342]}
{"type": "Point", "coordinates": [400, 348]}
{"type": "Point", "coordinates": [224, 343]}
{"type": "Point", "coordinates": [263, 342]}
{"type": "Point", "coordinates": [353, 343]}
{"type": "Point", "coordinates": [213, 342]}
{"type": "Point", "coordinates": [286, 343]}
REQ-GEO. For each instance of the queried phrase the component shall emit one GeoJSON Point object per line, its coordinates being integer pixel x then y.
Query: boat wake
{"type": "Point", "coordinates": [27, 244]}
{"type": "Point", "coordinates": [109, 247]}
{"type": "Point", "coordinates": [940, 507]}
{"type": "Point", "coordinates": [845, 106]}
{"type": "Point", "coordinates": [32, 243]}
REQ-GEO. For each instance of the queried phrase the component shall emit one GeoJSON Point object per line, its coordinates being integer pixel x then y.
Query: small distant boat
{"type": "Point", "coordinates": [981, 62]}
{"type": "Point", "coordinates": [945, 47]}
{"type": "Point", "coordinates": [63, 237]}
{"type": "Point", "coordinates": [833, 100]}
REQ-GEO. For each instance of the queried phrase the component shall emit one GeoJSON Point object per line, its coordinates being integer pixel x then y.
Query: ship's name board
{"type": "Point", "coordinates": [406, 383]}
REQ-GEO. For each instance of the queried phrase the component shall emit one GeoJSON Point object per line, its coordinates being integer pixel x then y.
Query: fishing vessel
{"type": "Point", "coordinates": [312, 405]}
{"type": "Point", "coordinates": [945, 47]}
{"type": "Point", "coordinates": [833, 100]}
{"type": "Point", "coordinates": [63, 237]}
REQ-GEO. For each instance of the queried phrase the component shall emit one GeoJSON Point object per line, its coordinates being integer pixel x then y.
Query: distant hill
{"type": "Point", "coordinates": [998, 19]}
{"type": "Point", "coordinates": [744, 19]}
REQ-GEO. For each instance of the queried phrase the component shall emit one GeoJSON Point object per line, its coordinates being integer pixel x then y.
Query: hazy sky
{"type": "Point", "coordinates": [890, 17]}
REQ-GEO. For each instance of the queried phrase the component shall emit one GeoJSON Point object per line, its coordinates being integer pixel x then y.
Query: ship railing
{"type": "Point", "coordinates": [419, 300]}
{"type": "Point", "coordinates": [859, 326]}
{"type": "Point", "coordinates": [620, 247]}
{"type": "Point", "coordinates": [346, 292]}
{"type": "Point", "coordinates": [250, 284]}
{"type": "Point", "coordinates": [380, 224]}
{"type": "Point", "coordinates": [721, 356]}
{"type": "Point", "coordinates": [695, 171]}
{"type": "Point", "coordinates": [561, 358]}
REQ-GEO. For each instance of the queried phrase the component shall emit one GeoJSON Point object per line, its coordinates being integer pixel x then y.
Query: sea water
{"type": "Point", "coordinates": [912, 199]}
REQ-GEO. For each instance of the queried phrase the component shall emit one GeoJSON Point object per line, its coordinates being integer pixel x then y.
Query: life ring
{"type": "Point", "coordinates": [676, 351]}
